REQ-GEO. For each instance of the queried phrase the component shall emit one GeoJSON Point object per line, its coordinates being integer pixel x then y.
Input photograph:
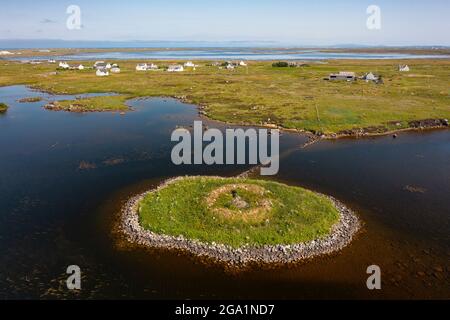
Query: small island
{"type": "Point", "coordinates": [238, 221]}
{"type": "Point", "coordinates": [3, 107]}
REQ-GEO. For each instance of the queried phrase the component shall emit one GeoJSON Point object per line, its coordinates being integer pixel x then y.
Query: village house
{"type": "Point", "coordinates": [141, 67]}
{"type": "Point", "coordinates": [102, 72]}
{"type": "Point", "coordinates": [98, 63]}
{"type": "Point", "coordinates": [370, 77]}
{"type": "Point", "coordinates": [189, 64]}
{"type": "Point", "coordinates": [80, 67]}
{"type": "Point", "coordinates": [5, 53]}
{"type": "Point", "coordinates": [343, 75]}
{"type": "Point", "coordinates": [64, 65]}
{"type": "Point", "coordinates": [230, 66]}
{"type": "Point", "coordinates": [175, 68]}
{"type": "Point", "coordinates": [115, 69]}
{"type": "Point", "coordinates": [152, 66]}
{"type": "Point", "coordinates": [102, 65]}
{"type": "Point", "coordinates": [242, 64]}
{"type": "Point", "coordinates": [403, 68]}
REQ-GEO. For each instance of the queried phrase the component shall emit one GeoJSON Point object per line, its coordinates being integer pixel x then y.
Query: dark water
{"type": "Point", "coordinates": [233, 54]}
{"type": "Point", "coordinates": [55, 212]}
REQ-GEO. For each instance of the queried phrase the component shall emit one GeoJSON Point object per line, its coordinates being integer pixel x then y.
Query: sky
{"type": "Point", "coordinates": [318, 22]}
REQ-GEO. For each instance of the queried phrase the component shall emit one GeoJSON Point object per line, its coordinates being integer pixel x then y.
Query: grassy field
{"type": "Point", "coordinates": [295, 98]}
{"type": "Point", "coordinates": [203, 209]}
{"type": "Point", "coordinates": [3, 107]}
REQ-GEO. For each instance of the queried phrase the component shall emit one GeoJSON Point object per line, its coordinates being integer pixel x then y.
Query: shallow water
{"type": "Point", "coordinates": [233, 54]}
{"type": "Point", "coordinates": [54, 212]}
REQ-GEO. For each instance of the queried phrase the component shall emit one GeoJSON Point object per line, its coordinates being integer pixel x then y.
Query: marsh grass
{"type": "Point", "coordinates": [295, 98]}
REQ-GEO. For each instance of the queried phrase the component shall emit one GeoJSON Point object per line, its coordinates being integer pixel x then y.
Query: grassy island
{"type": "Point", "coordinates": [237, 212]}
{"type": "Point", "coordinates": [92, 104]}
{"type": "Point", "coordinates": [3, 107]}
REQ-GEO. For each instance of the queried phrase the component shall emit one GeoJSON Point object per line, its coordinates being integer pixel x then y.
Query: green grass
{"type": "Point", "coordinates": [3, 107]}
{"type": "Point", "coordinates": [295, 98]}
{"type": "Point", "coordinates": [101, 103]}
{"type": "Point", "coordinates": [297, 215]}
{"type": "Point", "coordinates": [30, 99]}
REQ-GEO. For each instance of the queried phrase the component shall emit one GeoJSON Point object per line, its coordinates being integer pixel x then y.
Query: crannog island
{"type": "Point", "coordinates": [238, 221]}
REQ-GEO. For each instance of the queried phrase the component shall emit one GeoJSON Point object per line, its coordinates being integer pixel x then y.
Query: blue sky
{"type": "Point", "coordinates": [318, 22]}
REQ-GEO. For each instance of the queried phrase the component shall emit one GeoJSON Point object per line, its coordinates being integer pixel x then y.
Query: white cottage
{"type": "Point", "coordinates": [102, 72]}
{"type": "Point", "coordinates": [64, 65]}
{"type": "Point", "coordinates": [403, 68]}
{"type": "Point", "coordinates": [80, 67]}
{"type": "Point", "coordinates": [242, 64]}
{"type": "Point", "coordinates": [115, 69]}
{"type": "Point", "coordinates": [141, 67]}
{"type": "Point", "coordinates": [189, 64]}
{"type": "Point", "coordinates": [175, 68]}
{"type": "Point", "coordinates": [371, 77]}
{"type": "Point", "coordinates": [99, 64]}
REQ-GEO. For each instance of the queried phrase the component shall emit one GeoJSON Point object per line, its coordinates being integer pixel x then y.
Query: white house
{"type": "Point", "coordinates": [64, 65]}
{"type": "Point", "coordinates": [98, 64]}
{"type": "Point", "coordinates": [189, 64]}
{"type": "Point", "coordinates": [108, 66]}
{"type": "Point", "coordinates": [175, 68]}
{"type": "Point", "coordinates": [51, 61]}
{"type": "Point", "coordinates": [80, 67]}
{"type": "Point", "coordinates": [343, 75]}
{"type": "Point", "coordinates": [5, 53]}
{"type": "Point", "coordinates": [152, 66]}
{"type": "Point", "coordinates": [115, 69]}
{"type": "Point", "coordinates": [102, 72]}
{"type": "Point", "coordinates": [141, 67]}
{"type": "Point", "coordinates": [403, 68]}
{"type": "Point", "coordinates": [371, 77]}
{"type": "Point", "coordinates": [230, 66]}
{"type": "Point", "coordinates": [242, 64]}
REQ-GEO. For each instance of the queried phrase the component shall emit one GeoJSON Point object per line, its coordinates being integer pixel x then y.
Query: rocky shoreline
{"type": "Point", "coordinates": [341, 235]}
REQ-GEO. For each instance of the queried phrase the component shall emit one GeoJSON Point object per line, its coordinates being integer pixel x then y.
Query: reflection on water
{"type": "Point", "coordinates": [64, 177]}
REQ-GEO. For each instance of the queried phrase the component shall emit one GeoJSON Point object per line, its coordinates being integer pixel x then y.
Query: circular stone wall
{"type": "Point", "coordinates": [239, 220]}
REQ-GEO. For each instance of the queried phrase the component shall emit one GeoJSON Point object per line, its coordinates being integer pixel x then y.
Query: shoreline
{"type": "Point", "coordinates": [355, 133]}
{"type": "Point", "coordinates": [341, 235]}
